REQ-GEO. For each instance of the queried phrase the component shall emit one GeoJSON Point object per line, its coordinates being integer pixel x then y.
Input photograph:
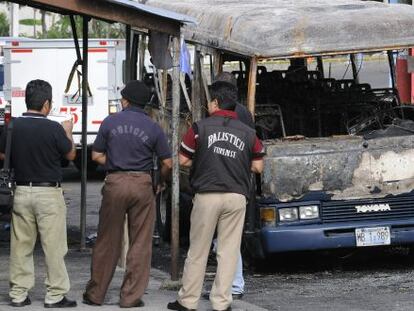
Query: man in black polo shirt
{"type": "Point", "coordinates": [38, 145]}
{"type": "Point", "coordinates": [126, 144]}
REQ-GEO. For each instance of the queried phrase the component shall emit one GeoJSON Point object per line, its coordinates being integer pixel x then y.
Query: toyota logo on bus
{"type": "Point", "coordinates": [372, 208]}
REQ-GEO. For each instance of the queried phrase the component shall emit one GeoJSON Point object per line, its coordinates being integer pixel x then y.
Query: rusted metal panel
{"type": "Point", "coordinates": [296, 28]}
{"type": "Point", "coordinates": [126, 12]}
{"type": "Point", "coordinates": [340, 167]}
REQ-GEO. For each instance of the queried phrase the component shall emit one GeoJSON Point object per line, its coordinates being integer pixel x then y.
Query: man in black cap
{"type": "Point", "coordinates": [125, 145]}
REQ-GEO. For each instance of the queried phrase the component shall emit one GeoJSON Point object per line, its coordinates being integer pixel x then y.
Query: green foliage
{"type": "Point", "coordinates": [4, 25]}
{"type": "Point", "coordinates": [97, 29]}
{"type": "Point", "coordinates": [30, 22]}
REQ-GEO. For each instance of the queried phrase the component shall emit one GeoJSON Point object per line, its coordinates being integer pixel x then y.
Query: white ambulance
{"type": "Point", "coordinates": [53, 61]}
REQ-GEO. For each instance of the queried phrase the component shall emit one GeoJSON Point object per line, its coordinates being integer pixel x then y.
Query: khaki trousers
{"type": "Point", "coordinates": [123, 194]}
{"type": "Point", "coordinates": [43, 210]}
{"type": "Point", "coordinates": [225, 211]}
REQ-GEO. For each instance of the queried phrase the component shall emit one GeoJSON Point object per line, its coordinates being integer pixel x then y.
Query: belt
{"type": "Point", "coordinates": [39, 184]}
{"type": "Point", "coordinates": [129, 172]}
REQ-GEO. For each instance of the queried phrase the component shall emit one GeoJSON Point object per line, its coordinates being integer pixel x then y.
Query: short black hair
{"type": "Point", "coordinates": [225, 93]}
{"type": "Point", "coordinates": [37, 92]}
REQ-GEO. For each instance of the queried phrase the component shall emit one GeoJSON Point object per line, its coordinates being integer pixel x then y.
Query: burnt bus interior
{"type": "Point", "coordinates": [308, 102]}
{"type": "Point", "coordinates": [305, 99]}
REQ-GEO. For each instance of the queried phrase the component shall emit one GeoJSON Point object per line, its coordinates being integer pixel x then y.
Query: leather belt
{"type": "Point", "coordinates": [39, 184]}
{"type": "Point", "coordinates": [130, 172]}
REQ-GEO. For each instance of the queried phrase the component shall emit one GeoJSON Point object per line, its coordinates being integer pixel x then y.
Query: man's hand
{"type": "Point", "coordinates": [68, 126]}
{"type": "Point", "coordinates": [161, 187]}
{"type": "Point", "coordinates": [99, 157]}
{"type": "Point", "coordinates": [166, 166]}
{"type": "Point", "coordinates": [257, 166]}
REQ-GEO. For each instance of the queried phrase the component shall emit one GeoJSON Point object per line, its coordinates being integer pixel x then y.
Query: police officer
{"type": "Point", "coordinates": [125, 145]}
{"type": "Point", "coordinates": [38, 145]}
{"type": "Point", "coordinates": [222, 151]}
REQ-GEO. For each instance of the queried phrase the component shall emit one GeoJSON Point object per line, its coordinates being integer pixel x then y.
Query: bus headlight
{"type": "Point", "coordinates": [268, 216]}
{"type": "Point", "coordinates": [309, 212]}
{"type": "Point", "coordinates": [288, 214]}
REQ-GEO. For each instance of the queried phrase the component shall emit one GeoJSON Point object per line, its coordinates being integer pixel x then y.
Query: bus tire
{"type": "Point", "coordinates": [163, 222]}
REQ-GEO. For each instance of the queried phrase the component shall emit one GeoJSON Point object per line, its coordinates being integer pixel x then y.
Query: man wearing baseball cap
{"type": "Point", "coordinates": [125, 145]}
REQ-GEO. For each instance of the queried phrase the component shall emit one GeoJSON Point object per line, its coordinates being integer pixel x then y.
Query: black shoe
{"type": "Point", "coordinates": [23, 303]}
{"type": "Point", "coordinates": [138, 304]}
{"type": "Point", "coordinates": [235, 296]}
{"type": "Point", "coordinates": [87, 301]}
{"type": "Point", "coordinates": [178, 306]}
{"type": "Point", "coordinates": [228, 309]}
{"type": "Point", "coordinates": [64, 303]}
{"type": "Point", "coordinates": [238, 296]}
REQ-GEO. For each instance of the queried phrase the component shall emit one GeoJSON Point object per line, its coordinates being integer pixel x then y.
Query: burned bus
{"type": "Point", "coordinates": [339, 165]}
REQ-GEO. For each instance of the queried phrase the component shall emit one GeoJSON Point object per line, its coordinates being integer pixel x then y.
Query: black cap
{"type": "Point", "coordinates": [136, 92]}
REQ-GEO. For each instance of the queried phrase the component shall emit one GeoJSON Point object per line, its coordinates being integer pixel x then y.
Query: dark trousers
{"type": "Point", "coordinates": [131, 194]}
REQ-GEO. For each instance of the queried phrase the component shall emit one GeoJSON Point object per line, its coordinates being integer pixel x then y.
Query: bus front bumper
{"type": "Point", "coordinates": [288, 238]}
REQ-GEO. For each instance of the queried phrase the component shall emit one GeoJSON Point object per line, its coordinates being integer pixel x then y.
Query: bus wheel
{"type": "Point", "coordinates": [163, 224]}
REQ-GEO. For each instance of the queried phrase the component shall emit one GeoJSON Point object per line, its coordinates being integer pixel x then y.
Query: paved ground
{"type": "Point", "coordinates": [363, 280]}
{"type": "Point", "coordinates": [78, 263]}
{"type": "Point", "coordinates": [78, 268]}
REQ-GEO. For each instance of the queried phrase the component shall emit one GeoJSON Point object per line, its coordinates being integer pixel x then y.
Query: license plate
{"type": "Point", "coordinates": [373, 236]}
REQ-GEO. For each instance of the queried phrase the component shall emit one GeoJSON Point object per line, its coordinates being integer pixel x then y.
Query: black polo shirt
{"type": "Point", "coordinates": [130, 139]}
{"type": "Point", "coordinates": [38, 145]}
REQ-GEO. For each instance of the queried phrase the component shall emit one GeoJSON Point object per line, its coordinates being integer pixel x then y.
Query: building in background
{"type": "Point", "coordinates": [31, 22]}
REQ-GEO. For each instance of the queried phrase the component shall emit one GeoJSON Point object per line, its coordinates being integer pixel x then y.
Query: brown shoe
{"type": "Point", "coordinates": [138, 304]}
{"type": "Point", "coordinates": [87, 301]}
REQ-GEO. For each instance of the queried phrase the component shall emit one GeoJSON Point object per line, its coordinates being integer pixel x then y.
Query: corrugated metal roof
{"type": "Point", "coordinates": [154, 10]}
{"type": "Point", "coordinates": [286, 28]}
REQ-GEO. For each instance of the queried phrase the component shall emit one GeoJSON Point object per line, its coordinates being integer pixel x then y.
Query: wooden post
{"type": "Point", "coordinates": [197, 98]}
{"type": "Point", "coordinates": [218, 64]}
{"type": "Point", "coordinates": [251, 87]}
{"type": "Point", "coordinates": [175, 190]}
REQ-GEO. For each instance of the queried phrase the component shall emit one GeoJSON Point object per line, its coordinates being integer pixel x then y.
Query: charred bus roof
{"type": "Point", "coordinates": [295, 28]}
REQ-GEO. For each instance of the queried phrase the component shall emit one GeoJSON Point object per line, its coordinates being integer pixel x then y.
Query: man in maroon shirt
{"type": "Point", "coordinates": [222, 152]}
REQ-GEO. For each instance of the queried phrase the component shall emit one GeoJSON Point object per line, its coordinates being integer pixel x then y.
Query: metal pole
{"type": "Point", "coordinates": [354, 68]}
{"type": "Point", "coordinates": [127, 53]}
{"type": "Point", "coordinates": [392, 68]}
{"type": "Point", "coordinates": [75, 38]}
{"type": "Point", "coordinates": [84, 177]}
{"type": "Point", "coordinates": [14, 25]}
{"type": "Point", "coordinates": [175, 191]}
{"type": "Point", "coordinates": [320, 66]}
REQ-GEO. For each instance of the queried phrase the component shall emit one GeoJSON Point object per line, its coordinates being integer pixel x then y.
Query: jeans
{"type": "Point", "coordinates": [238, 281]}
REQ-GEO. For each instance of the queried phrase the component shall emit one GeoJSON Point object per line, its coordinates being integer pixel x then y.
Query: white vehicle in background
{"type": "Point", "coordinates": [53, 61]}
{"type": "Point", "coordinates": [3, 42]}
